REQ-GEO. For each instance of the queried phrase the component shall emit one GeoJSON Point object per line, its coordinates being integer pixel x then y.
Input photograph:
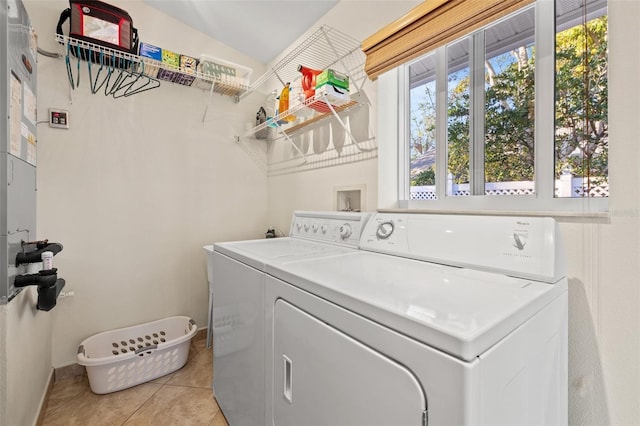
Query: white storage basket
{"type": "Point", "coordinates": [125, 357]}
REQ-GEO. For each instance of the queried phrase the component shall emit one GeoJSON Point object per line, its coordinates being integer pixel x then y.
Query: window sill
{"type": "Point", "coordinates": [596, 216]}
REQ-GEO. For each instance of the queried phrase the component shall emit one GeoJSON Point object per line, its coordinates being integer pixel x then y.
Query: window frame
{"type": "Point", "coordinates": [394, 85]}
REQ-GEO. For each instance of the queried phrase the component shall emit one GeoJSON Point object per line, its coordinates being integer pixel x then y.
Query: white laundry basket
{"type": "Point", "coordinates": [125, 357]}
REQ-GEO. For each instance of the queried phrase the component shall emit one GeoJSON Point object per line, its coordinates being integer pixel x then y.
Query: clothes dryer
{"type": "Point", "coordinates": [440, 320]}
{"type": "Point", "coordinates": [237, 279]}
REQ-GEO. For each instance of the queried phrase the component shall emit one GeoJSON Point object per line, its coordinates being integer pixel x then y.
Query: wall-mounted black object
{"type": "Point", "coordinates": [47, 296]}
{"type": "Point", "coordinates": [35, 256]}
{"type": "Point", "coordinates": [49, 285]}
{"type": "Point", "coordinates": [45, 278]}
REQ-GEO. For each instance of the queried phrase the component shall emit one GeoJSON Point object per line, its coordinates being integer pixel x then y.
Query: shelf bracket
{"type": "Point", "coordinates": [288, 138]}
{"type": "Point", "coordinates": [206, 107]}
{"type": "Point", "coordinates": [275, 72]}
{"type": "Point", "coordinates": [344, 126]}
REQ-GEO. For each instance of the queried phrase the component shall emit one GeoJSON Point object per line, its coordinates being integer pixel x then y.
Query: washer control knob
{"type": "Point", "coordinates": [385, 229]}
{"type": "Point", "coordinates": [306, 227]}
{"type": "Point", "coordinates": [345, 231]}
{"type": "Point", "coordinates": [315, 227]}
{"type": "Point", "coordinates": [298, 226]}
{"type": "Point", "coordinates": [324, 228]}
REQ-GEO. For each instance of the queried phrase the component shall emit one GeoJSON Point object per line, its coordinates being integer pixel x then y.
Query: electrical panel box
{"type": "Point", "coordinates": [18, 70]}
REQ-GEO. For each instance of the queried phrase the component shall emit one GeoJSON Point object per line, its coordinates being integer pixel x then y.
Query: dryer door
{"type": "Point", "coordinates": [324, 377]}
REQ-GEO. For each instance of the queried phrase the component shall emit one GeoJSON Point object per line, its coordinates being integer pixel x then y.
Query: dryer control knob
{"type": "Point", "coordinates": [306, 227]}
{"type": "Point", "coordinates": [324, 228]}
{"type": "Point", "coordinates": [315, 227]}
{"type": "Point", "coordinates": [345, 231]}
{"type": "Point", "coordinates": [299, 226]}
{"type": "Point", "coordinates": [385, 229]}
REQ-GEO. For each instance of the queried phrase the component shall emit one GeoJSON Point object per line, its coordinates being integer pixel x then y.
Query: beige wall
{"type": "Point", "coordinates": [604, 259]}
{"type": "Point", "coordinates": [26, 357]}
{"type": "Point", "coordinates": [138, 185]}
{"type": "Point", "coordinates": [132, 190]}
{"type": "Point", "coordinates": [315, 190]}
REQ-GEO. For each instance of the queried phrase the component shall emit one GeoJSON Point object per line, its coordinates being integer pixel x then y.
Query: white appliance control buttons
{"type": "Point", "coordinates": [324, 228]}
{"type": "Point", "coordinates": [315, 227]}
{"type": "Point", "coordinates": [345, 231]}
{"type": "Point", "coordinates": [385, 229]}
{"type": "Point", "coordinates": [306, 227]}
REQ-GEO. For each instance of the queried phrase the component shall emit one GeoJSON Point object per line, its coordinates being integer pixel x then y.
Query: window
{"type": "Point", "coordinates": [582, 130]}
{"type": "Point", "coordinates": [509, 106]}
{"type": "Point", "coordinates": [458, 115]}
{"type": "Point", "coordinates": [490, 115]}
{"type": "Point", "coordinates": [422, 143]}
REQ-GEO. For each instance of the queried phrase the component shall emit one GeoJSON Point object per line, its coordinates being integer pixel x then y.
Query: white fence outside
{"type": "Point", "coordinates": [567, 186]}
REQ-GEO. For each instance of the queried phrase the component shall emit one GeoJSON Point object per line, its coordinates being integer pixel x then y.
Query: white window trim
{"type": "Point", "coordinates": [393, 176]}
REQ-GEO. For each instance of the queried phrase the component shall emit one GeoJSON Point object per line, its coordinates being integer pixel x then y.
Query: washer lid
{"type": "Point", "coordinates": [460, 311]}
{"type": "Point", "coordinates": [257, 253]}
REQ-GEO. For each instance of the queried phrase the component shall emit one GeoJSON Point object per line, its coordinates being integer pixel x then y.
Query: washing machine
{"type": "Point", "coordinates": [237, 299]}
{"type": "Point", "coordinates": [436, 320]}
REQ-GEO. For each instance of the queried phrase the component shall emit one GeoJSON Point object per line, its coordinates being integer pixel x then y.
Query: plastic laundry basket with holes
{"type": "Point", "coordinates": [119, 359]}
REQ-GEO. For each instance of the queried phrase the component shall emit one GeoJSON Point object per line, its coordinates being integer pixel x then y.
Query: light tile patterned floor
{"type": "Point", "coordinates": [181, 398]}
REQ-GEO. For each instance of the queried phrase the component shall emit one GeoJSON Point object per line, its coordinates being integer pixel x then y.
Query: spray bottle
{"type": "Point", "coordinates": [284, 103]}
{"type": "Point", "coordinates": [308, 80]}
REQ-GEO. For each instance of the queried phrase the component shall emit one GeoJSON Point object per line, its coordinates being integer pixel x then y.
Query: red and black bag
{"type": "Point", "coordinates": [101, 24]}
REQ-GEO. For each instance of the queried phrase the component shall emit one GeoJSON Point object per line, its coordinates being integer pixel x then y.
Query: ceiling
{"type": "Point", "coordinates": [261, 29]}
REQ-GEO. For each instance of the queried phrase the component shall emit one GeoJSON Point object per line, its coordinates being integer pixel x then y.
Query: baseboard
{"type": "Point", "coordinates": [45, 399]}
{"type": "Point", "coordinates": [69, 372]}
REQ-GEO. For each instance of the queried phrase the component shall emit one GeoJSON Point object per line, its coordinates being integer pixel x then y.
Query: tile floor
{"type": "Point", "coordinates": [180, 398]}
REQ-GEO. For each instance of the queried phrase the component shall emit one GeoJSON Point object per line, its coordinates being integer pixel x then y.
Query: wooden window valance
{"type": "Point", "coordinates": [428, 26]}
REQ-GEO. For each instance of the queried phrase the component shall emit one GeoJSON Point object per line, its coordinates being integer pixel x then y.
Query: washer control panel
{"type": "Point", "coordinates": [385, 229]}
{"type": "Point", "coordinates": [385, 233]}
{"type": "Point", "coordinates": [524, 247]}
{"type": "Point", "coordinates": [338, 227]}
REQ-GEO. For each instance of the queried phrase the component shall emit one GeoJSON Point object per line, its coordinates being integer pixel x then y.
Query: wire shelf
{"type": "Point", "coordinates": [137, 64]}
{"type": "Point", "coordinates": [279, 122]}
{"type": "Point", "coordinates": [325, 48]}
